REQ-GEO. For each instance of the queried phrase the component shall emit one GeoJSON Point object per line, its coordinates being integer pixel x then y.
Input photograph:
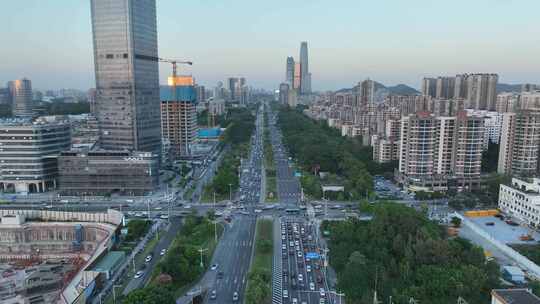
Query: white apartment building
{"type": "Point", "coordinates": [522, 200]}
{"type": "Point", "coordinates": [436, 153]}
{"type": "Point", "coordinates": [492, 123]}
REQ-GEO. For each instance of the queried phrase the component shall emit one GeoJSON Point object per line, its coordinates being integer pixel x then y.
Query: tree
{"type": "Point", "coordinates": [150, 295]}
{"type": "Point", "coordinates": [455, 221]}
{"type": "Point", "coordinates": [136, 229]}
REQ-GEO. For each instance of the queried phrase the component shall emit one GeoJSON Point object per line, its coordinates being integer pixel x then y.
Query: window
{"type": "Point", "coordinates": [110, 56]}
{"type": "Point", "coordinates": [125, 55]}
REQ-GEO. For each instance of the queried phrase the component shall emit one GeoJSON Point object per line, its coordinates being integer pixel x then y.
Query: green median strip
{"type": "Point", "coordinates": [259, 289]}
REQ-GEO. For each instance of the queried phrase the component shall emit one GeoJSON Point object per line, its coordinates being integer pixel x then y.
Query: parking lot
{"type": "Point", "coordinates": [504, 232]}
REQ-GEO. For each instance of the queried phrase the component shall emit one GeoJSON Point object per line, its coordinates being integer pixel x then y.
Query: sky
{"type": "Point", "coordinates": [391, 41]}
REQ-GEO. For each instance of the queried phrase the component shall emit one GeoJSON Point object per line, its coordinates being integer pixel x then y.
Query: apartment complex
{"type": "Point", "coordinates": [519, 143]}
{"type": "Point", "coordinates": [179, 115]}
{"type": "Point", "coordinates": [521, 199]}
{"type": "Point", "coordinates": [28, 154]}
{"type": "Point", "coordinates": [107, 172]}
{"type": "Point", "coordinates": [439, 153]}
{"type": "Point", "coordinates": [479, 90]}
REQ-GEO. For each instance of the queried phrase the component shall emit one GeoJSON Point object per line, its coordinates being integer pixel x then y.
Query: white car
{"type": "Point", "coordinates": [138, 274]}
{"type": "Point", "coordinates": [322, 293]}
{"type": "Point", "coordinates": [299, 254]}
{"type": "Point", "coordinates": [311, 286]}
{"type": "Point", "coordinates": [214, 267]}
{"type": "Point", "coordinates": [308, 268]}
{"type": "Point", "coordinates": [300, 277]}
{"type": "Point", "coordinates": [148, 258]}
{"type": "Point", "coordinates": [163, 251]}
{"type": "Point", "coordinates": [285, 293]}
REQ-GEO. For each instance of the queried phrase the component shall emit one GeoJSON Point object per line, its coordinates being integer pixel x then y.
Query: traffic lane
{"type": "Point", "coordinates": [163, 243]}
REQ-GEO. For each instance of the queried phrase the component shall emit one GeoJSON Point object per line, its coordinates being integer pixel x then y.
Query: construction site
{"type": "Point", "coordinates": [48, 256]}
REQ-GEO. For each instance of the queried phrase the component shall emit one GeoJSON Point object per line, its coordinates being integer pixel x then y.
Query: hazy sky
{"type": "Point", "coordinates": [391, 41]}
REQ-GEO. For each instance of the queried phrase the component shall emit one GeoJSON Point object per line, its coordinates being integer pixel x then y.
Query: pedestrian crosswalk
{"type": "Point", "coordinates": [277, 284]}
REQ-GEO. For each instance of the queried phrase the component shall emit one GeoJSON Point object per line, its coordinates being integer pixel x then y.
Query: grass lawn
{"type": "Point", "coordinates": [271, 188]}
{"type": "Point", "coordinates": [262, 258]}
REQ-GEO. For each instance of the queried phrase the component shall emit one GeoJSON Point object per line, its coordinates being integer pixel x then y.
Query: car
{"type": "Point", "coordinates": [490, 224]}
{"type": "Point", "coordinates": [138, 274]}
{"type": "Point", "coordinates": [311, 286]}
{"type": "Point", "coordinates": [322, 301]}
{"type": "Point", "coordinates": [294, 301]}
{"type": "Point", "coordinates": [163, 251]}
{"type": "Point", "coordinates": [213, 295]}
{"type": "Point", "coordinates": [220, 275]}
{"type": "Point", "coordinates": [322, 293]}
{"type": "Point", "coordinates": [299, 254]}
{"type": "Point", "coordinates": [300, 277]}
{"type": "Point", "coordinates": [284, 247]}
{"type": "Point", "coordinates": [285, 293]}
{"type": "Point", "coordinates": [214, 266]}
{"type": "Point", "coordinates": [235, 297]}
{"type": "Point", "coordinates": [308, 268]}
{"type": "Point", "coordinates": [148, 258]}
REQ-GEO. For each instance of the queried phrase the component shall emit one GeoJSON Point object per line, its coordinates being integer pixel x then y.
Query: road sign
{"type": "Point", "coordinates": [312, 255]}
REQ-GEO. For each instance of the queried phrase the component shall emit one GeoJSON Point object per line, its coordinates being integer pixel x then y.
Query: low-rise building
{"type": "Point", "coordinates": [521, 199]}
{"type": "Point", "coordinates": [108, 172]}
{"type": "Point", "coordinates": [513, 296]}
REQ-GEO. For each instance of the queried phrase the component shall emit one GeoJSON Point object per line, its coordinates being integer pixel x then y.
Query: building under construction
{"type": "Point", "coordinates": [179, 115]}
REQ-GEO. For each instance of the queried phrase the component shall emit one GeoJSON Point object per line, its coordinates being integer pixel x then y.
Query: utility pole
{"type": "Point", "coordinates": [230, 192]}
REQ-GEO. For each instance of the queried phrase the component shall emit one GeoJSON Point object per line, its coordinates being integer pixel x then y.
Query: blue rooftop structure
{"type": "Point", "coordinates": [183, 93]}
{"type": "Point", "coordinates": [209, 133]}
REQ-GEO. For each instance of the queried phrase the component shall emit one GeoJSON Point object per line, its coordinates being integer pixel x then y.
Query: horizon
{"type": "Point", "coordinates": [397, 43]}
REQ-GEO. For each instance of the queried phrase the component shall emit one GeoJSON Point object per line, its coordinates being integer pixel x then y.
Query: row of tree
{"type": "Point", "coordinates": [317, 147]}
{"type": "Point", "coordinates": [180, 266]}
{"type": "Point", "coordinates": [400, 253]}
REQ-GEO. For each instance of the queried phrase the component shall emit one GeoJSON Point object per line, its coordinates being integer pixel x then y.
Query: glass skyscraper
{"type": "Point", "coordinates": [127, 78]}
{"type": "Point", "coordinates": [305, 81]}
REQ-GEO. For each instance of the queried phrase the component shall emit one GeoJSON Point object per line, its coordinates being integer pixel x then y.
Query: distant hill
{"type": "Point", "coordinates": [402, 89]}
{"type": "Point", "coordinates": [504, 87]}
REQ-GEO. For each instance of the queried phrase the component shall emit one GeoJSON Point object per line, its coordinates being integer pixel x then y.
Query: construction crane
{"type": "Point", "coordinates": [174, 64]}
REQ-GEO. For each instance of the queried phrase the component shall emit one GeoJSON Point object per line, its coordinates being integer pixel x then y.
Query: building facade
{"type": "Point", "coordinates": [179, 116]}
{"type": "Point", "coordinates": [284, 93]}
{"type": "Point", "coordinates": [108, 172]}
{"type": "Point", "coordinates": [22, 96]}
{"type": "Point", "coordinates": [28, 154]}
{"type": "Point", "coordinates": [305, 82]}
{"type": "Point", "coordinates": [439, 153]}
{"type": "Point", "coordinates": [127, 78]}
{"type": "Point", "coordinates": [519, 143]}
{"type": "Point", "coordinates": [521, 199]}
{"type": "Point", "coordinates": [289, 71]}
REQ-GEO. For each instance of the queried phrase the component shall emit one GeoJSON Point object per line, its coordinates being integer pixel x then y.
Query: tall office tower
{"type": "Point", "coordinates": [437, 153]}
{"type": "Point", "coordinates": [127, 78]}
{"type": "Point", "coordinates": [297, 82]}
{"type": "Point", "coordinates": [445, 87]}
{"type": "Point", "coordinates": [22, 98]}
{"type": "Point", "coordinates": [305, 82]}
{"type": "Point", "coordinates": [519, 143]}
{"type": "Point", "coordinates": [289, 71]}
{"type": "Point", "coordinates": [234, 85]}
{"type": "Point", "coordinates": [482, 91]}
{"type": "Point", "coordinates": [429, 87]}
{"type": "Point", "coordinates": [292, 98]}
{"type": "Point", "coordinates": [179, 115]}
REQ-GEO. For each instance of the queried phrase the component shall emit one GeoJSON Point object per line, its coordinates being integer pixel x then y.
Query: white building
{"type": "Point", "coordinates": [522, 200]}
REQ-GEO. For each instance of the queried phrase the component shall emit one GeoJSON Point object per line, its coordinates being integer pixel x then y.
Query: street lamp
{"type": "Point", "coordinates": [230, 192]}
{"type": "Point", "coordinates": [201, 251]}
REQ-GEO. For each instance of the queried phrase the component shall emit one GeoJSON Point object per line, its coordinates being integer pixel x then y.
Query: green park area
{"type": "Point", "coordinates": [258, 289]}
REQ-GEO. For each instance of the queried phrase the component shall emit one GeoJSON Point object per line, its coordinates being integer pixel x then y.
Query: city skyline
{"type": "Point", "coordinates": [395, 43]}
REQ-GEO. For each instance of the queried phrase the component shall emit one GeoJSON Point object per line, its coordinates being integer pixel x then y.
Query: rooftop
{"type": "Point", "coordinates": [109, 261]}
{"type": "Point", "coordinates": [515, 296]}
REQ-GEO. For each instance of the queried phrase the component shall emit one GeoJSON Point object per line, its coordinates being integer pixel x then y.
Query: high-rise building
{"type": "Point", "coordinates": [292, 98]}
{"type": "Point", "coordinates": [520, 143]}
{"type": "Point", "coordinates": [23, 105]}
{"type": "Point", "coordinates": [438, 153]}
{"type": "Point", "coordinates": [529, 100]}
{"type": "Point", "coordinates": [445, 87]}
{"type": "Point", "coordinates": [429, 87]}
{"type": "Point", "coordinates": [482, 91]}
{"type": "Point", "coordinates": [529, 87]}
{"type": "Point", "coordinates": [201, 93]}
{"type": "Point", "coordinates": [297, 81]}
{"type": "Point", "coordinates": [365, 92]}
{"type": "Point", "coordinates": [28, 157]}
{"type": "Point", "coordinates": [284, 93]}
{"type": "Point", "coordinates": [507, 102]}
{"type": "Point", "coordinates": [127, 78]}
{"type": "Point", "coordinates": [305, 81]}
{"type": "Point", "coordinates": [289, 71]}
{"type": "Point", "coordinates": [179, 115]}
